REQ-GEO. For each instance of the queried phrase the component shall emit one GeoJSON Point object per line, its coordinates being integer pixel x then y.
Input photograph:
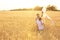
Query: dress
{"type": "Point", "coordinates": [45, 16]}
{"type": "Point", "coordinates": [39, 24]}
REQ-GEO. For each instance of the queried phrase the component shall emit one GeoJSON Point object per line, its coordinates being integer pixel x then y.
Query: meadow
{"type": "Point", "coordinates": [21, 25]}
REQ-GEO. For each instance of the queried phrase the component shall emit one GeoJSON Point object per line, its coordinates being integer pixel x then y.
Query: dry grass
{"type": "Point", "coordinates": [20, 25]}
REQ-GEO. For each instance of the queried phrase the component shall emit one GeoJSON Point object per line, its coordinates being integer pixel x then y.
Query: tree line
{"type": "Point", "coordinates": [37, 8]}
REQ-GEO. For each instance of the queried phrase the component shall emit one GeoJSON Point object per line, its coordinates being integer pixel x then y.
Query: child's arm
{"type": "Point", "coordinates": [42, 22]}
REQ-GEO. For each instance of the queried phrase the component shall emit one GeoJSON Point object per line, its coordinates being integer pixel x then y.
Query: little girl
{"type": "Point", "coordinates": [39, 23]}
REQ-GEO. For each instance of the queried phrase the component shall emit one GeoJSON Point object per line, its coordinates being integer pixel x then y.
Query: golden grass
{"type": "Point", "coordinates": [21, 25]}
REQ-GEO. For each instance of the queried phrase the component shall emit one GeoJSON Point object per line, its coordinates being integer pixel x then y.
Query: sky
{"type": "Point", "coordinates": [14, 4]}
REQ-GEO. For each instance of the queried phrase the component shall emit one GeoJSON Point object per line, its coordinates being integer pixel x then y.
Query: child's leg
{"type": "Point", "coordinates": [40, 30]}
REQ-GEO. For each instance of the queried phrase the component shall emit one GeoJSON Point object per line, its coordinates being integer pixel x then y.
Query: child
{"type": "Point", "coordinates": [39, 23]}
{"type": "Point", "coordinates": [44, 15]}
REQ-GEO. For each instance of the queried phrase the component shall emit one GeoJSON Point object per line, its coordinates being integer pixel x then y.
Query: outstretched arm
{"type": "Point", "coordinates": [50, 19]}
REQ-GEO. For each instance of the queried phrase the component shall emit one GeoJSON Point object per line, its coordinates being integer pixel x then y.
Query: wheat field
{"type": "Point", "coordinates": [21, 25]}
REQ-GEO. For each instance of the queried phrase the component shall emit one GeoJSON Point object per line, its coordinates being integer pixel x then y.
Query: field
{"type": "Point", "coordinates": [21, 25]}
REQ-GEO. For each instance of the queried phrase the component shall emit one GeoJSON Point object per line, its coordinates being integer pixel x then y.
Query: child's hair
{"type": "Point", "coordinates": [37, 14]}
{"type": "Point", "coordinates": [40, 18]}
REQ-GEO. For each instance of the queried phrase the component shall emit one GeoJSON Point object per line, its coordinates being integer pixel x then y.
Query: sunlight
{"type": "Point", "coordinates": [13, 4]}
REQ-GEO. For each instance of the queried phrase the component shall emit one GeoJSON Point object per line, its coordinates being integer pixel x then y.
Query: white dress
{"type": "Point", "coordinates": [39, 24]}
{"type": "Point", "coordinates": [46, 16]}
{"type": "Point", "coordinates": [44, 13]}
